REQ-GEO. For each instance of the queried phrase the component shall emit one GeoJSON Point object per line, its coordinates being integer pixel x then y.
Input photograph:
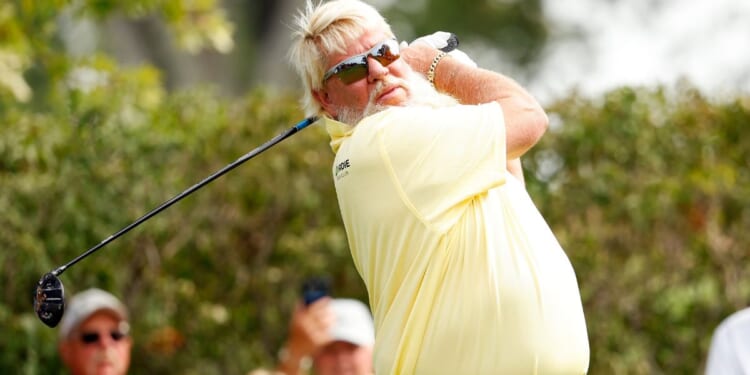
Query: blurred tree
{"type": "Point", "coordinates": [36, 55]}
{"type": "Point", "coordinates": [517, 28]}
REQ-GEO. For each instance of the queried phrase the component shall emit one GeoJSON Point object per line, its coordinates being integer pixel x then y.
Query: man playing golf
{"type": "Point", "coordinates": [463, 273]}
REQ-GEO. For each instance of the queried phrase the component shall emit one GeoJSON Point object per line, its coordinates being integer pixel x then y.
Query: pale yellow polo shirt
{"type": "Point", "coordinates": [463, 273]}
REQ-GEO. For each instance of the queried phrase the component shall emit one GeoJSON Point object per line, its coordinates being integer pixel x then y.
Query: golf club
{"type": "Point", "coordinates": [49, 299]}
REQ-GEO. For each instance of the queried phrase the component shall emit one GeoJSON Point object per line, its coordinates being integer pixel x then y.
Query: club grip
{"type": "Point", "coordinates": [451, 43]}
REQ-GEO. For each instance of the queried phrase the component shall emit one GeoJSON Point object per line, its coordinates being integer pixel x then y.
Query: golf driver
{"type": "Point", "coordinates": [49, 299]}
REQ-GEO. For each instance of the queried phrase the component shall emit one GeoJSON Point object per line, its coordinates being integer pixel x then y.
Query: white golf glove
{"type": "Point", "coordinates": [446, 42]}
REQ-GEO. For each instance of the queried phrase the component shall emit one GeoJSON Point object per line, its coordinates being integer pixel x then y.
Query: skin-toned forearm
{"type": "Point", "coordinates": [525, 119]}
{"type": "Point", "coordinates": [309, 331]}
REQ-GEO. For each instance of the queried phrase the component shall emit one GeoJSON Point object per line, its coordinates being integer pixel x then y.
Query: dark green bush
{"type": "Point", "coordinates": [648, 192]}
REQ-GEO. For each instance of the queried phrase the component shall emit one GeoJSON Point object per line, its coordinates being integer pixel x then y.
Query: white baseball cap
{"type": "Point", "coordinates": [85, 304]}
{"type": "Point", "coordinates": [353, 322]}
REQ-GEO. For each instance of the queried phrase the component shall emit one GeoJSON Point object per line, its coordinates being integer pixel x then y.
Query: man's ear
{"type": "Point", "coordinates": [321, 96]}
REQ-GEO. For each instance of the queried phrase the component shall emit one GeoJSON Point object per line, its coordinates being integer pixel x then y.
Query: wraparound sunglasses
{"type": "Point", "coordinates": [355, 68]}
{"type": "Point", "coordinates": [94, 337]}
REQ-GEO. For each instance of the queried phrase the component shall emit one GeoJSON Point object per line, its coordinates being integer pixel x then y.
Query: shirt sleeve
{"type": "Point", "coordinates": [442, 158]}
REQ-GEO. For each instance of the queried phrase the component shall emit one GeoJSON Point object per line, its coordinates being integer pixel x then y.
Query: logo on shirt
{"type": "Point", "coordinates": [341, 170]}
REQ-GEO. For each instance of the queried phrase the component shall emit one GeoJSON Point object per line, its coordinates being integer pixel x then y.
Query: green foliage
{"type": "Point", "coordinates": [210, 282]}
{"type": "Point", "coordinates": [33, 60]}
{"type": "Point", "coordinates": [648, 192]}
{"type": "Point", "coordinates": [223, 266]}
{"type": "Point", "coordinates": [517, 27]}
{"type": "Point", "coordinates": [644, 188]}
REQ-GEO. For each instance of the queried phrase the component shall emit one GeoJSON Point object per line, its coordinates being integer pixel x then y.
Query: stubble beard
{"type": "Point", "coordinates": [420, 93]}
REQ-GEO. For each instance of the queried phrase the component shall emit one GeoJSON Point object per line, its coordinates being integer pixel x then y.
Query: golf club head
{"type": "Point", "coordinates": [49, 301]}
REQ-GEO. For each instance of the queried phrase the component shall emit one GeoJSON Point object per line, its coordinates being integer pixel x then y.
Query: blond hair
{"type": "Point", "coordinates": [323, 29]}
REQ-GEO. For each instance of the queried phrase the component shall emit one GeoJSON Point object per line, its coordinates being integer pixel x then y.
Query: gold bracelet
{"type": "Point", "coordinates": [431, 71]}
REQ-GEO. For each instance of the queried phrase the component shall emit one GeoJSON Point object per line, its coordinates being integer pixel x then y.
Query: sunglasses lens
{"type": "Point", "coordinates": [356, 68]}
{"type": "Point", "coordinates": [352, 72]}
{"type": "Point", "coordinates": [387, 53]}
{"type": "Point", "coordinates": [93, 337]}
{"type": "Point", "coordinates": [89, 338]}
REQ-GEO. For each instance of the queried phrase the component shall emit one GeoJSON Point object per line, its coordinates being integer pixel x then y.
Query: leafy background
{"type": "Point", "coordinates": [645, 187]}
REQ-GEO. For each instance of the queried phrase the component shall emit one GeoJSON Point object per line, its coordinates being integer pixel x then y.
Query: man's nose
{"type": "Point", "coordinates": [105, 339]}
{"type": "Point", "coordinates": [375, 70]}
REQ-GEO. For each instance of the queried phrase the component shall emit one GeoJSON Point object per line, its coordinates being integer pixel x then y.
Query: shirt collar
{"type": "Point", "coordinates": [338, 131]}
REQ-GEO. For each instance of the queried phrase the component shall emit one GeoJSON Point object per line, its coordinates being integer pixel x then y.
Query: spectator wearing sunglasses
{"type": "Point", "coordinates": [93, 336]}
{"type": "Point", "coordinates": [463, 273]}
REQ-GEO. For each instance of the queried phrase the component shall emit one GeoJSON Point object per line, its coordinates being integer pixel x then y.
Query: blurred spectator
{"type": "Point", "coordinates": [334, 336]}
{"type": "Point", "coordinates": [93, 337]}
{"type": "Point", "coordinates": [729, 353]}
